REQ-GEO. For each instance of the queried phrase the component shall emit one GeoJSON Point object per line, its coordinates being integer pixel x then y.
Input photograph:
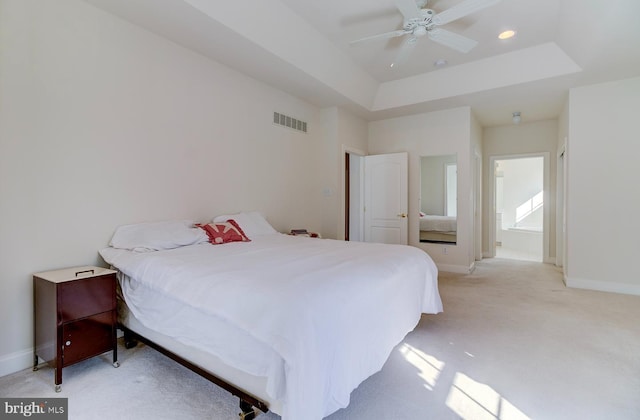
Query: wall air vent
{"type": "Point", "coordinates": [289, 122]}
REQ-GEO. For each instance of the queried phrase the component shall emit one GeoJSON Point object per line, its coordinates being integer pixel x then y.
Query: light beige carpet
{"type": "Point", "coordinates": [512, 343]}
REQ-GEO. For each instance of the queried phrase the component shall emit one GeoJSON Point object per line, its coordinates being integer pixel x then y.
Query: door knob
{"type": "Point", "coordinates": [403, 215]}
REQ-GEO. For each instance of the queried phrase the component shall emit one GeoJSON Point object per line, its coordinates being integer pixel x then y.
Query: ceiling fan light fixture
{"type": "Point", "coordinates": [420, 31]}
{"type": "Point", "coordinates": [510, 33]}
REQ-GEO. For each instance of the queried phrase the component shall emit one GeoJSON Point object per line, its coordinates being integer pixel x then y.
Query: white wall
{"type": "Point", "coordinates": [103, 123]}
{"type": "Point", "coordinates": [342, 132]}
{"type": "Point", "coordinates": [523, 179]}
{"type": "Point", "coordinates": [525, 138]}
{"type": "Point", "coordinates": [430, 134]}
{"type": "Point", "coordinates": [602, 187]}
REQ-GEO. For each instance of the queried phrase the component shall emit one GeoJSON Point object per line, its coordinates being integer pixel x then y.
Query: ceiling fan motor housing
{"type": "Point", "coordinates": [420, 26]}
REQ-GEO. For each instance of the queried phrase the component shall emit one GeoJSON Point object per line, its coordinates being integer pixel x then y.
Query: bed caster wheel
{"type": "Point", "coordinates": [58, 388]}
{"type": "Point", "coordinates": [116, 364]}
{"type": "Point", "coordinates": [247, 416]}
{"type": "Point", "coordinates": [129, 344]}
{"type": "Point", "coordinates": [35, 368]}
{"type": "Point", "coordinates": [248, 413]}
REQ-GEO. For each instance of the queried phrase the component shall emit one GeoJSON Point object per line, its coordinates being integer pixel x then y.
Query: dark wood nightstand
{"type": "Point", "coordinates": [75, 316]}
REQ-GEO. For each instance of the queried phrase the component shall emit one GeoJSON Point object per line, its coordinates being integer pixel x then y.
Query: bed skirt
{"type": "Point", "coordinates": [249, 388]}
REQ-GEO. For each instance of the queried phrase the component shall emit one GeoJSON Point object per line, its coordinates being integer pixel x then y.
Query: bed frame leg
{"type": "Point", "coordinates": [129, 341]}
{"type": "Point", "coordinates": [248, 412]}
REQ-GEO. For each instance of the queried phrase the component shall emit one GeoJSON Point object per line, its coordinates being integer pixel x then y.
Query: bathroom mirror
{"type": "Point", "coordinates": [438, 199]}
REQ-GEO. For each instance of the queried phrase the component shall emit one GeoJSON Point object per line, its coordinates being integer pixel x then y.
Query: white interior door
{"type": "Point", "coordinates": [386, 198]}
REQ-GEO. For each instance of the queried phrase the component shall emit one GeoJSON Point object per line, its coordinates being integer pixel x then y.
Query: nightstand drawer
{"type": "Point", "coordinates": [87, 337]}
{"type": "Point", "coordinates": [85, 297]}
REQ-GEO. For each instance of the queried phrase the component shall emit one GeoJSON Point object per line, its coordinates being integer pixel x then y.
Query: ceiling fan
{"type": "Point", "coordinates": [420, 21]}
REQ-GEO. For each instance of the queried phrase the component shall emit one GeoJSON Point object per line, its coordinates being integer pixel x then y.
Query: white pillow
{"type": "Point", "coordinates": [156, 236]}
{"type": "Point", "coordinates": [252, 223]}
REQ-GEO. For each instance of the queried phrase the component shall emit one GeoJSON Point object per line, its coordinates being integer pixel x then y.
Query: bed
{"type": "Point", "coordinates": [290, 324]}
{"type": "Point", "coordinates": [435, 228]}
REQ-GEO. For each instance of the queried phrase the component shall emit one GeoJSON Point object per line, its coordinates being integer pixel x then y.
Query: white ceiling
{"type": "Point", "coordinates": [303, 47]}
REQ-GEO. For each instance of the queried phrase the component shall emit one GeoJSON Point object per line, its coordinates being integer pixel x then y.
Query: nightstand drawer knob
{"type": "Point", "coordinates": [68, 343]}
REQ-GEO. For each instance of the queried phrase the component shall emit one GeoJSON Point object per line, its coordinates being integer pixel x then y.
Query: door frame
{"type": "Point", "coordinates": [477, 206]}
{"type": "Point", "coordinates": [546, 209]}
{"type": "Point", "coordinates": [345, 202]}
{"type": "Point", "coordinates": [561, 206]}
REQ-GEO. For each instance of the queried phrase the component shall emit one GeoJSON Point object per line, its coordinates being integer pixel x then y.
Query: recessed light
{"type": "Point", "coordinates": [507, 34]}
{"type": "Point", "coordinates": [440, 63]}
{"type": "Point", "coordinates": [516, 117]}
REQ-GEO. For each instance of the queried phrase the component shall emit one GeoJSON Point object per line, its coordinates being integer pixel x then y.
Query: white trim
{"type": "Point", "coordinates": [16, 361]}
{"type": "Point", "coordinates": [461, 269]}
{"type": "Point", "coordinates": [477, 206]}
{"type": "Point", "coordinates": [549, 260]}
{"type": "Point", "coordinates": [603, 286]}
{"type": "Point", "coordinates": [561, 203]}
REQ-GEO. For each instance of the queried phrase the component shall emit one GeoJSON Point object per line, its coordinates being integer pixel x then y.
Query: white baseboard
{"type": "Point", "coordinates": [603, 286]}
{"type": "Point", "coordinates": [15, 362]}
{"type": "Point", "coordinates": [451, 268]}
{"type": "Point", "coordinates": [546, 260]}
{"type": "Point", "coordinates": [23, 359]}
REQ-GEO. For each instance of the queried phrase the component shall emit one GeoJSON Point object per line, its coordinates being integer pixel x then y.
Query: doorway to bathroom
{"type": "Point", "coordinates": [519, 208]}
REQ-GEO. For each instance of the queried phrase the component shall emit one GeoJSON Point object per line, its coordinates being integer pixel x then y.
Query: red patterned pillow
{"type": "Point", "coordinates": [223, 232]}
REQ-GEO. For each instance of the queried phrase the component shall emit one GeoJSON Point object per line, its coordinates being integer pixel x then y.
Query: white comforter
{"type": "Point", "coordinates": [332, 310]}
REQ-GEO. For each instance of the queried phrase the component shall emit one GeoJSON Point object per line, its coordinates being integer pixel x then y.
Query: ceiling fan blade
{"type": "Point", "coordinates": [461, 10]}
{"type": "Point", "coordinates": [452, 40]}
{"type": "Point", "coordinates": [408, 8]}
{"type": "Point", "coordinates": [392, 34]}
{"type": "Point", "coordinates": [405, 51]}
